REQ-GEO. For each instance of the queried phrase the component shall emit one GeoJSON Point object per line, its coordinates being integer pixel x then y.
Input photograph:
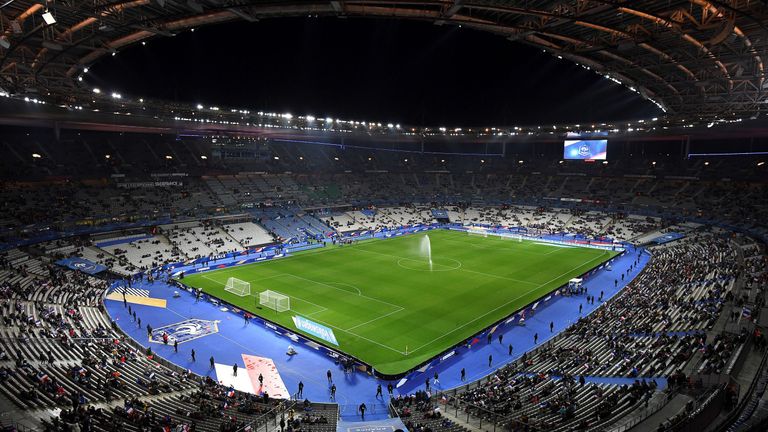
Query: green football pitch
{"type": "Point", "coordinates": [384, 304]}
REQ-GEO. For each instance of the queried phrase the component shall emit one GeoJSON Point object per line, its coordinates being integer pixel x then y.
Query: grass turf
{"type": "Point", "coordinates": [380, 297]}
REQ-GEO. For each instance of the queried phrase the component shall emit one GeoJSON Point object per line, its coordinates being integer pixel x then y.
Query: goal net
{"type": "Point", "coordinates": [238, 287]}
{"type": "Point", "coordinates": [478, 231]}
{"type": "Point", "coordinates": [275, 300]}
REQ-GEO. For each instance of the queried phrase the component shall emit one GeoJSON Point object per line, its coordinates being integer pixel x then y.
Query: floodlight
{"type": "Point", "coordinates": [48, 18]}
{"type": "Point", "coordinates": [36, 155]}
{"type": "Point", "coordinates": [203, 157]}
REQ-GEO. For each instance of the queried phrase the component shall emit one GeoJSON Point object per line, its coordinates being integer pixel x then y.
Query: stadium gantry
{"type": "Point", "coordinates": [696, 59]}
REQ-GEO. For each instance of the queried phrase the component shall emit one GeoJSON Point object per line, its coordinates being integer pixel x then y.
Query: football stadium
{"type": "Point", "coordinates": [356, 216]}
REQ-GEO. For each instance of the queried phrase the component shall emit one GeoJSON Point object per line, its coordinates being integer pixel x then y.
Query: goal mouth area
{"type": "Point", "coordinates": [275, 300]}
{"type": "Point", "coordinates": [238, 287]}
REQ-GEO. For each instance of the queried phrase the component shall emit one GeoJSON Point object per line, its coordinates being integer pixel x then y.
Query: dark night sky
{"type": "Point", "coordinates": [361, 69]}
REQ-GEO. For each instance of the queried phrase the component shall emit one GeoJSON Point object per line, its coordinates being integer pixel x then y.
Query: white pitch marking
{"type": "Point", "coordinates": [505, 304]}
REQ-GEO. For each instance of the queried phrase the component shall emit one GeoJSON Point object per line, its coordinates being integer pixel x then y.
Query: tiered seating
{"type": "Point", "coordinates": [590, 224]}
{"type": "Point", "coordinates": [58, 350]}
{"type": "Point", "coordinates": [316, 417]}
{"type": "Point", "coordinates": [402, 216]}
{"type": "Point", "coordinates": [632, 226]}
{"type": "Point", "coordinates": [248, 234]}
{"type": "Point", "coordinates": [420, 414]}
{"type": "Point", "coordinates": [292, 224]}
{"type": "Point", "coordinates": [145, 254]}
{"type": "Point", "coordinates": [544, 403]}
{"type": "Point", "coordinates": [654, 325]}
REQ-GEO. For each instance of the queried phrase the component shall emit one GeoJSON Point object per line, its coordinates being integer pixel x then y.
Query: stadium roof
{"type": "Point", "coordinates": [695, 59]}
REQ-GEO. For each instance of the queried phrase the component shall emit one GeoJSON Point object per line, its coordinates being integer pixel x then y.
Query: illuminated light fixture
{"type": "Point", "coordinates": [706, 163]}
{"type": "Point", "coordinates": [141, 100]}
{"type": "Point", "coordinates": [36, 155]}
{"type": "Point", "coordinates": [288, 116]}
{"type": "Point", "coordinates": [114, 53]}
{"type": "Point", "coordinates": [85, 70]}
{"type": "Point", "coordinates": [760, 163]}
{"type": "Point", "coordinates": [203, 157]}
{"type": "Point", "coordinates": [328, 120]}
{"type": "Point", "coordinates": [144, 43]}
{"type": "Point", "coordinates": [107, 156]}
{"type": "Point", "coordinates": [605, 162]}
{"type": "Point", "coordinates": [390, 125]}
{"type": "Point", "coordinates": [301, 157]}
{"type": "Point", "coordinates": [335, 158]}
{"type": "Point", "coordinates": [79, 78]}
{"type": "Point", "coordinates": [276, 158]}
{"type": "Point", "coordinates": [310, 118]}
{"type": "Point", "coordinates": [48, 18]}
{"type": "Point", "coordinates": [97, 91]}
{"type": "Point", "coordinates": [199, 106]}
{"type": "Point", "coordinates": [442, 160]}
{"type": "Point", "coordinates": [405, 160]}
{"type": "Point", "coordinates": [397, 126]}
{"type": "Point", "coordinates": [560, 162]}
{"type": "Point", "coordinates": [116, 95]}
{"type": "Point", "coordinates": [169, 157]}
{"type": "Point", "coordinates": [370, 158]}
{"type": "Point", "coordinates": [519, 161]}
{"type": "Point", "coordinates": [653, 163]}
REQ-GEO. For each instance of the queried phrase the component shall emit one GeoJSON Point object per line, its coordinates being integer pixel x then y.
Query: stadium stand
{"type": "Point", "coordinates": [687, 317]}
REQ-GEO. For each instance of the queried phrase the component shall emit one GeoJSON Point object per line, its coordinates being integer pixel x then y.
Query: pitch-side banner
{"type": "Point", "coordinates": [317, 330]}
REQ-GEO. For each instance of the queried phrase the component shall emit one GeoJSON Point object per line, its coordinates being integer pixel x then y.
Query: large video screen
{"type": "Point", "coordinates": [585, 149]}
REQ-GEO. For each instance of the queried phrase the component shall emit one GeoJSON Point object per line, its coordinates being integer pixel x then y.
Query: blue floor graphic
{"type": "Point", "coordinates": [233, 337]}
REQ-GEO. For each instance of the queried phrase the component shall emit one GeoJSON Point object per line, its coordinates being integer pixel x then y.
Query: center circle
{"type": "Point", "coordinates": [438, 264]}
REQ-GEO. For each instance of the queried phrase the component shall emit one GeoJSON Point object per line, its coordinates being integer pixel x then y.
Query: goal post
{"type": "Point", "coordinates": [275, 300]}
{"type": "Point", "coordinates": [238, 287]}
{"type": "Point", "coordinates": [478, 231]}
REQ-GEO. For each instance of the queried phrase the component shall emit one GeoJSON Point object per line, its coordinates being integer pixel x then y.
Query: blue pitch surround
{"type": "Point", "coordinates": [226, 336]}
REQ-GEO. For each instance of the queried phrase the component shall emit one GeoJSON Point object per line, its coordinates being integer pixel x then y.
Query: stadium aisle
{"type": "Point", "coordinates": [226, 337]}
